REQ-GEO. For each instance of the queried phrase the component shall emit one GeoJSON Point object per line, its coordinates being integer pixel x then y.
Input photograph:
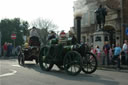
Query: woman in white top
{"type": "Point", "coordinates": [98, 51]}
{"type": "Point", "coordinates": [125, 49]}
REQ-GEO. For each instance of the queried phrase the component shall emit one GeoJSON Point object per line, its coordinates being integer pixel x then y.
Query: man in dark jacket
{"type": "Point", "coordinates": [106, 49]}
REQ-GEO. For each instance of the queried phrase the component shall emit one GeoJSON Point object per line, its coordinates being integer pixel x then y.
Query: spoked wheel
{"type": "Point", "coordinates": [21, 59]}
{"type": "Point", "coordinates": [61, 67]}
{"type": "Point", "coordinates": [72, 63]}
{"type": "Point", "coordinates": [44, 62]}
{"type": "Point", "coordinates": [89, 63]}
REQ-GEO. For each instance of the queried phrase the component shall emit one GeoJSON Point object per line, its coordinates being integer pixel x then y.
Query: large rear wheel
{"type": "Point", "coordinates": [72, 63]}
{"type": "Point", "coordinates": [89, 63]}
{"type": "Point", "coordinates": [44, 62]}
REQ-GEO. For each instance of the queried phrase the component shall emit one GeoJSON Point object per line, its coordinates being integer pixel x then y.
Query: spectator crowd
{"type": "Point", "coordinates": [111, 55]}
{"type": "Point", "coordinates": [8, 50]}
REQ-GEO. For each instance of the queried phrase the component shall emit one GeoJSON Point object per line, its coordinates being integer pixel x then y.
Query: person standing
{"type": "Point", "coordinates": [110, 53]}
{"type": "Point", "coordinates": [117, 53]}
{"type": "Point", "coordinates": [5, 48]}
{"type": "Point", "coordinates": [125, 49]}
{"type": "Point", "coordinates": [8, 49]}
{"type": "Point", "coordinates": [98, 52]}
{"type": "Point", "coordinates": [106, 48]}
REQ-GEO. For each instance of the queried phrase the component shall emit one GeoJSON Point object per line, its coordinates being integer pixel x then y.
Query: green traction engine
{"type": "Point", "coordinates": [72, 58]}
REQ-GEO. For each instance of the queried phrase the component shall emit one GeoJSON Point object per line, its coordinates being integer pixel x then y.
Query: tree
{"type": "Point", "coordinates": [44, 26]}
{"type": "Point", "coordinates": [9, 26]}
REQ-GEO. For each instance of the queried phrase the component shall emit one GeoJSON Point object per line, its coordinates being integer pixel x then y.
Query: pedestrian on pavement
{"type": "Point", "coordinates": [8, 49]}
{"type": "Point", "coordinates": [11, 48]}
{"type": "Point", "coordinates": [110, 53]}
{"type": "Point", "coordinates": [98, 52]}
{"type": "Point", "coordinates": [106, 49]}
{"type": "Point", "coordinates": [125, 49]}
{"type": "Point", "coordinates": [117, 54]}
{"type": "Point", "coordinates": [5, 49]}
{"type": "Point", "coordinates": [93, 50]}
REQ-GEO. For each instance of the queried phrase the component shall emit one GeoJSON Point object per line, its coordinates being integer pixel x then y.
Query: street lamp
{"type": "Point", "coordinates": [78, 16]}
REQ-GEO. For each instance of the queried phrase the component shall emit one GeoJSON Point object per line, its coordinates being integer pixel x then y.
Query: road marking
{"type": "Point", "coordinates": [16, 65]}
{"type": "Point", "coordinates": [9, 74]}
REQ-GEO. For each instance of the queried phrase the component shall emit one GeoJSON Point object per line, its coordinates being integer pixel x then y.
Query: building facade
{"type": "Point", "coordinates": [114, 18]}
{"type": "Point", "coordinates": [0, 45]}
{"type": "Point", "coordinates": [124, 20]}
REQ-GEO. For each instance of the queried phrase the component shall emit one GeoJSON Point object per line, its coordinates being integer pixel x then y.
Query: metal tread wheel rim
{"type": "Point", "coordinates": [44, 64]}
{"type": "Point", "coordinates": [72, 60]}
{"type": "Point", "coordinates": [89, 63]}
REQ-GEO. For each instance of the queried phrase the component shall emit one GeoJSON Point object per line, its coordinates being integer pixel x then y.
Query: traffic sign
{"type": "Point", "coordinates": [62, 34]}
{"type": "Point", "coordinates": [13, 36]}
{"type": "Point", "coordinates": [126, 30]}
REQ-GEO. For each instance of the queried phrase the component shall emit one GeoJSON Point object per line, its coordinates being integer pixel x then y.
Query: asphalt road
{"type": "Point", "coordinates": [13, 74]}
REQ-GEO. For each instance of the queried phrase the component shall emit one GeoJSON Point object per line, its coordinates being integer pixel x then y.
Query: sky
{"type": "Point", "coordinates": [59, 11]}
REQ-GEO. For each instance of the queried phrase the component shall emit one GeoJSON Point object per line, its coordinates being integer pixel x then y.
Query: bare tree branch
{"type": "Point", "coordinates": [44, 26]}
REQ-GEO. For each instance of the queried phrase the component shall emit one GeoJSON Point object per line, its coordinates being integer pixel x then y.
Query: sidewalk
{"type": "Point", "coordinates": [11, 57]}
{"type": "Point", "coordinates": [124, 68]}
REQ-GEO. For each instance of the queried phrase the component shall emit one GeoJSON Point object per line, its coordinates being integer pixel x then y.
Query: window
{"type": "Point", "coordinates": [98, 38]}
{"type": "Point", "coordinates": [105, 38]}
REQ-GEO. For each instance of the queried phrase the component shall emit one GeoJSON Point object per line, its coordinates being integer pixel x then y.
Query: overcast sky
{"type": "Point", "coordinates": [59, 11]}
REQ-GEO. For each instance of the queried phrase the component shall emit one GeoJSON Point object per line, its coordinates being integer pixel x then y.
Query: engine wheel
{"type": "Point", "coordinates": [72, 63]}
{"type": "Point", "coordinates": [44, 62]}
{"type": "Point", "coordinates": [89, 63]}
{"type": "Point", "coordinates": [61, 67]}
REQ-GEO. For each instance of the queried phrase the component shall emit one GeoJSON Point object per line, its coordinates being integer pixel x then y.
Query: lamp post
{"type": "Point", "coordinates": [78, 25]}
{"type": "Point", "coordinates": [78, 16]}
